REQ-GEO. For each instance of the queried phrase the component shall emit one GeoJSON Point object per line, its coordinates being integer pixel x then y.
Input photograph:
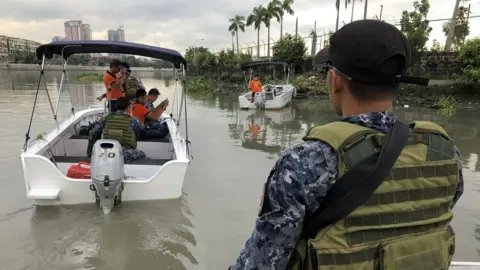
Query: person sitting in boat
{"type": "Point", "coordinates": [255, 86]}
{"type": "Point", "coordinates": [113, 80]}
{"type": "Point", "coordinates": [153, 95]}
{"type": "Point", "coordinates": [153, 128]}
{"type": "Point", "coordinates": [130, 85]}
{"type": "Point", "coordinates": [119, 126]}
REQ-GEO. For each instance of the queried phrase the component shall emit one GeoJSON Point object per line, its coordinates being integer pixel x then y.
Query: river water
{"type": "Point", "coordinates": [209, 224]}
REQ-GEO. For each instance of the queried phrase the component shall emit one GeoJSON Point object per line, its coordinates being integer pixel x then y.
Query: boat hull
{"type": "Point", "coordinates": [277, 103]}
{"type": "Point", "coordinates": [45, 168]}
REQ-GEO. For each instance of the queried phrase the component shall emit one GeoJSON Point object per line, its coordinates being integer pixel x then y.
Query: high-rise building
{"type": "Point", "coordinates": [76, 30]}
{"type": "Point", "coordinates": [116, 35]}
{"type": "Point", "coordinates": [86, 32]}
{"type": "Point", "coordinates": [73, 30]}
{"type": "Point", "coordinates": [57, 38]}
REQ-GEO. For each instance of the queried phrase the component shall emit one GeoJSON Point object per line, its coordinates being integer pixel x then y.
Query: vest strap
{"type": "Point", "coordinates": [358, 184]}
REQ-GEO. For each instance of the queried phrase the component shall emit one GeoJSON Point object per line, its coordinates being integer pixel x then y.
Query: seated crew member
{"type": "Point", "coordinates": [121, 127]}
{"type": "Point", "coordinates": [153, 95]}
{"type": "Point", "coordinates": [255, 86]}
{"type": "Point", "coordinates": [142, 113]}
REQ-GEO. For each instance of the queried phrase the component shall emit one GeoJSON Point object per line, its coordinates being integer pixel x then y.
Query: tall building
{"type": "Point", "coordinates": [76, 30]}
{"type": "Point", "coordinates": [86, 32]}
{"type": "Point", "coordinates": [57, 38]}
{"type": "Point", "coordinates": [116, 35]}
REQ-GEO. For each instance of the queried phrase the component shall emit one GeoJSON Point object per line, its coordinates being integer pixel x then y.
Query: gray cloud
{"type": "Point", "coordinates": [182, 23]}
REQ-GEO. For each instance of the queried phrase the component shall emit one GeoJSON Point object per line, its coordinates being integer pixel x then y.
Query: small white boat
{"type": "Point", "coordinates": [272, 97]}
{"type": "Point", "coordinates": [46, 161]}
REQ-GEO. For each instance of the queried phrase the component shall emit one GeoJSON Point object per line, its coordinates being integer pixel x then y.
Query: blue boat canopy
{"type": "Point", "coordinates": [70, 48]}
{"type": "Point", "coordinates": [263, 63]}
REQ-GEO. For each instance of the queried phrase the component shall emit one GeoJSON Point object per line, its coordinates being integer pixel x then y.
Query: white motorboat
{"type": "Point", "coordinates": [46, 161]}
{"type": "Point", "coordinates": [272, 97]}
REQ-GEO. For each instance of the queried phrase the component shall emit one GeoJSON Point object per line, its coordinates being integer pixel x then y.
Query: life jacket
{"type": "Point", "coordinates": [117, 127]}
{"type": "Point", "coordinates": [405, 223]}
{"type": "Point", "coordinates": [132, 87]}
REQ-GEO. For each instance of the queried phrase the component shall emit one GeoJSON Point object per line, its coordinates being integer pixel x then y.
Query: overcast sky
{"type": "Point", "coordinates": [179, 24]}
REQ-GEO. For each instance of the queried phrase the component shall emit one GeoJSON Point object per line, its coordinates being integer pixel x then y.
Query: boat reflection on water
{"type": "Point", "coordinates": [266, 131]}
{"type": "Point", "coordinates": [153, 235]}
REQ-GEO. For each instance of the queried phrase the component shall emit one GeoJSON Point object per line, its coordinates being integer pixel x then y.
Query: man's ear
{"type": "Point", "coordinates": [337, 82]}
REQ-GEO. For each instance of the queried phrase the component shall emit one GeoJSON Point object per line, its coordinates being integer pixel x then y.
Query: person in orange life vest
{"type": "Point", "coordinates": [113, 80]}
{"type": "Point", "coordinates": [255, 86]}
{"type": "Point", "coordinates": [142, 113]}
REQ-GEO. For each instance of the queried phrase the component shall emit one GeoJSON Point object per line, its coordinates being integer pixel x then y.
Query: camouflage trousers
{"type": "Point", "coordinates": [132, 154]}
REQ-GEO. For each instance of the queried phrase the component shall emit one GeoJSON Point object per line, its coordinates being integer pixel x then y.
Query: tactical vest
{"type": "Point", "coordinates": [405, 224]}
{"type": "Point", "coordinates": [132, 87]}
{"type": "Point", "coordinates": [117, 127]}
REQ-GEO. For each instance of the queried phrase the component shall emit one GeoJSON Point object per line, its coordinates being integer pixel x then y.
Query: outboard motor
{"type": "Point", "coordinates": [260, 100]}
{"type": "Point", "coordinates": [107, 172]}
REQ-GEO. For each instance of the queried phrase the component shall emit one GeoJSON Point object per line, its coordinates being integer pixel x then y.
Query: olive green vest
{"type": "Point", "coordinates": [117, 127]}
{"type": "Point", "coordinates": [405, 224]}
{"type": "Point", "coordinates": [132, 86]}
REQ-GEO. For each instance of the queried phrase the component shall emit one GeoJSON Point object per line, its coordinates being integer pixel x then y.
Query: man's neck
{"type": "Point", "coordinates": [356, 108]}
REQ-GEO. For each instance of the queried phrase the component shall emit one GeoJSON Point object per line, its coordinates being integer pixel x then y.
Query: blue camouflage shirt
{"type": "Point", "coordinates": [137, 127]}
{"type": "Point", "coordinates": [301, 178]}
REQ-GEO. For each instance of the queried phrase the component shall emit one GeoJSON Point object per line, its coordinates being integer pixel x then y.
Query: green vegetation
{"type": "Point", "coordinates": [447, 104]}
{"type": "Point", "coordinates": [199, 84]}
{"type": "Point", "coordinates": [470, 58]}
{"type": "Point", "coordinates": [89, 77]}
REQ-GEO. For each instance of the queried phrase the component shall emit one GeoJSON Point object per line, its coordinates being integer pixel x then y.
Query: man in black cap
{"type": "Point", "coordinates": [402, 223]}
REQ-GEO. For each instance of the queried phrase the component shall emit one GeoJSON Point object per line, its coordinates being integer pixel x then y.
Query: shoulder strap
{"type": "Point", "coordinates": [358, 184]}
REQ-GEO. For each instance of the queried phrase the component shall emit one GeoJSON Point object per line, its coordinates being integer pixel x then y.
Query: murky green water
{"type": "Point", "coordinates": [207, 227]}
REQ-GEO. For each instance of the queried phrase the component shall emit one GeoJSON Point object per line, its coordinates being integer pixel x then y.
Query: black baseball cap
{"type": "Point", "coordinates": [371, 52]}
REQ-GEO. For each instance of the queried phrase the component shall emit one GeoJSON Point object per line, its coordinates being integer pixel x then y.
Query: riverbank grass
{"type": "Point", "coordinates": [89, 77]}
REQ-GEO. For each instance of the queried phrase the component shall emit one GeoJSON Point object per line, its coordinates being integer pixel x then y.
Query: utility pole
{"type": "Point", "coordinates": [353, 8]}
{"type": "Point", "coordinates": [296, 28]}
{"type": "Point", "coordinates": [338, 18]}
{"type": "Point", "coordinates": [365, 10]}
{"type": "Point", "coordinates": [453, 23]}
{"type": "Point", "coordinates": [381, 11]}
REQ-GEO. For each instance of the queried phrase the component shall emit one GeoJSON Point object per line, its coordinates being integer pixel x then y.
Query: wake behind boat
{"type": "Point", "coordinates": [46, 161]}
{"type": "Point", "coordinates": [272, 97]}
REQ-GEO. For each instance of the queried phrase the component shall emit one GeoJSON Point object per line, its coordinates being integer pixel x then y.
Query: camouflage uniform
{"type": "Point", "coordinates": [155, 125]}
{"type": "Point", "coordinates": [300, 181]}
{"type": "Point", "coordinates": [129, 154]}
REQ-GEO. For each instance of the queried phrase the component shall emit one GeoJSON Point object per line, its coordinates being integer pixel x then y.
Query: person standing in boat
{"type": "Point", "coordinates": [255, 86]}
{"type": "Point", "coordinates": [153, 128]}
{"type": "Point", "coordinates": [130, 85]}
{"type": "Point", "coordinates": [405, 222]}
{"type": "Point", "coordinates": [113, 80]}
{"type": "Point", "coordinates": [119, 126]}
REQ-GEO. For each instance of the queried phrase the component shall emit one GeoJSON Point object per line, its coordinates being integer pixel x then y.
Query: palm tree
{"type": "Point", "coordinates": [353, 6]}
{"type": "Point", "coordinates": [272, 11]}
{"type": "Point", "coordinates": [285, 8]}
{"type": "Point", "coordinates": [233, 46]}
{"type": "Point", "coordinates": [256, 19]}
{"type": "Point", "coordinates": [237, 23]}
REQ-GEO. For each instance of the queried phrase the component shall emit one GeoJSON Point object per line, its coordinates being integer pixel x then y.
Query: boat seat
{"type": "Point", "coordinates": [72, 159]}
{"type": "Point", "coordinates": [165, 140]}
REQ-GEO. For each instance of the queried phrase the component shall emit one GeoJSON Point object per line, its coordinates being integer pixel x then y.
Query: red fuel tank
{"type": "Point", "coordinates": [80, 170]}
